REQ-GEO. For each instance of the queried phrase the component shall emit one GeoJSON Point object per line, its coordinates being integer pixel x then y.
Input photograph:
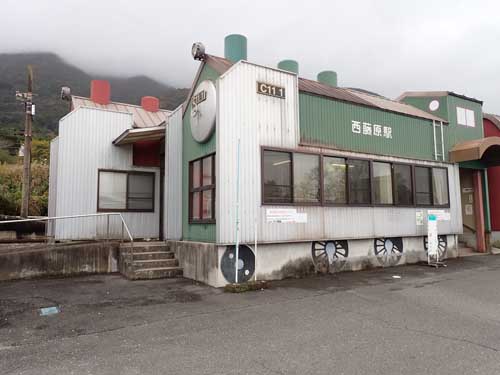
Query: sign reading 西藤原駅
{"type": "Point", "coordinates": [369, 129]}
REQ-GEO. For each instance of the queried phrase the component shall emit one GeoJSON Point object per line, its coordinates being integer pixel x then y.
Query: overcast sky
{"type": "Point", "coordinates": [384, 46]}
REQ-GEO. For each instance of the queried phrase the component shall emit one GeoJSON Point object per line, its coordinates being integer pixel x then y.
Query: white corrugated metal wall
{"type": "Point", "coordinates": [173, 176]}
{"type": "Point", "coordinates": [54, 148]}
{"type": "Point", "coordinates": [85, 145]}
{"type": "Point", "coordinates": [258, 121]}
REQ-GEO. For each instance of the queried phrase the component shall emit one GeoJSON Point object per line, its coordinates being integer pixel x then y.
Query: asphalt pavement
{"type": "Point", "coordinates": [428, 321]}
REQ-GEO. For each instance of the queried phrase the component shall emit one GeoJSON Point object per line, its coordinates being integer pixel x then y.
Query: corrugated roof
{"type": "Point", "coordinates": [394, 106]}
{"type": "Point", "coordinates": [143, 134]}
{"type": "Point", "coordinates": [435, 94]}
{"type": "Point", "coordinates": [495, 119]}
{"type": "Point", "coordinates": [221, 65]}
{"type": "Point", "coordinates": [317, 88]}
{"type": "Point", "coordinates": [142, 118]}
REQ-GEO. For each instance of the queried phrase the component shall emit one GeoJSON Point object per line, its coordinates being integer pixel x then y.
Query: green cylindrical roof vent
{"type": "Point", "coordinates": [289, 65]}
{"type": "Point", "coordinates": [328, 77]}
{"type": "Point", "coordinates": [235, 47]}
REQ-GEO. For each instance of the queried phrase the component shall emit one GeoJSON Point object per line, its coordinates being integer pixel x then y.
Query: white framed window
{"type": "Point", "coordinates": [123, 191]}
{"type": "Point", "coordinates": [465, 117]}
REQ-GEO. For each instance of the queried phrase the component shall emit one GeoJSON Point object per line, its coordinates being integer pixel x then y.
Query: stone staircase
{"type": "Point", "coordinates": [148, 260]}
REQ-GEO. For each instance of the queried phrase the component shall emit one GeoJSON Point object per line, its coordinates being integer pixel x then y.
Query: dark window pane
{"type": "Point", "coordinates": [277, 177]}
{"type": "Point", "coordinates": [140, 191]}
{"type": "Point", "coordinates": [112, 190]}
{"type": "Point", "coordinates": [195, 170]}
{"type": "Point", "coordinates": [207, 204]}
{"type": "Point", "coordinates": [382, 183]}
{"type": "Point", "coordinates": [195, 205]}
{"type": "Point", "coordinates": [359, 182]}
{"type": "Point", "coordinates": [305, 178]}
{"type": "Point", "coordinates": [423, 185]}
{"type": "Point", "coordinates": [207, 171]}
{"type": "Point", "coordinates": [440, 186]}
{"type": "Point", "coordinates": [334, 176]}
{"type": "Point", "coordinates": [403, 189]}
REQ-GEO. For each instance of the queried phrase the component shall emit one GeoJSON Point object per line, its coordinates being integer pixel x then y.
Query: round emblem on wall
{"type": "Point", "coordinates": [388, 250]}
{"type": "Point", "coordinates": [442, 245]}
{"type": "Point", "coordinates": [434, 105]}
{"type": "Point", "coordinates": [203, 110]}
{"type": "Point", "coordinates": [330, 256]}
{"type": "Point", "coordinates": [246, 263]}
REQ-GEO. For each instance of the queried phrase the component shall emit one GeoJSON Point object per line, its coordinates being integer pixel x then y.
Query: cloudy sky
{"type": "Point", "coordinates": [384, 46]}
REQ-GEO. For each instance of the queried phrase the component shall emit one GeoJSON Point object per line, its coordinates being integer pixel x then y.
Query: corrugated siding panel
{"type": "Point", "coordinates": [329, 122]}
{"type": "Point", "coordinates": [54, 148]}
{"type": "Point", "coordinates": [173, 176]}
{"type": "Point", "coordinates": [85, 138]}
{"type": "Point", "coordinates": [256, 120]}
{"type": "Point", "coordinates": [265, 121]}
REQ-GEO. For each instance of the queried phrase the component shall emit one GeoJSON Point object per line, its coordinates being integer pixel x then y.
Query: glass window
{"type": "Point", "coordinates": [202, 189]}
{"type": "Point", "coordinates": [403, 187]}
{"type": "Point", "coordinates": [469, 117]}
{"type": "Point", "coordinates": [306, 178]}
{"type": "Point", "coordinates": [207, 171]}
{"type": "Point", "coordinates": [196, 174]}
{"type": "Point", "coordinates": [359, 181]}
{"type": "Point", "coordinates": [382, 183]}
{"type": "Point", "coordinates": [465, 117]}
{"type": "Point", "coordinates": [140, 191]}
{"type": "Point", "coordinates": [423, 191]}
{"type": "Point", "coordinates": [195, 214]}
{"type": "Point", "coordinates": [206, 210]}
{"type": "Point", "coordinates": [334, 180]}
{"type": "Point", "coordinates": [440, 186]}
{"type": "Point", "coordinates": [277, 177]}
{"type": "Point", "coordinates": [112, 190]}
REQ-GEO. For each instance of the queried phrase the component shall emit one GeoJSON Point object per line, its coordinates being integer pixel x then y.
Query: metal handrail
{"type": "Point", "coordinates": [107, 214]}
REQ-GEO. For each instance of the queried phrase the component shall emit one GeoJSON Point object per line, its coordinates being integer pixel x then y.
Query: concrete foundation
{"type": "Point", "coordinates": [212, 264]}
{"type": "Point", "coordinates": [24, 262]}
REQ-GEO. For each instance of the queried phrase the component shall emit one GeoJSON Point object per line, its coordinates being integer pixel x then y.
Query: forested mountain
{"type": "Point", "coordinates": [50, 74]}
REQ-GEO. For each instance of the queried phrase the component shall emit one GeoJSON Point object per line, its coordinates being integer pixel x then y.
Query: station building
{"type": "Point", "coordinates": [304, 175]}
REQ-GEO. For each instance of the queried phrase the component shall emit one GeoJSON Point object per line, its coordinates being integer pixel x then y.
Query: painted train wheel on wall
{"type": "Point", "coordinates": [246, 263]}
{"type": "Point", "coordinates": [388, 250]}
{"type": "Point", "coordinates": [330, 256]}
{"type": "Point", "coordinates": [442, 245]}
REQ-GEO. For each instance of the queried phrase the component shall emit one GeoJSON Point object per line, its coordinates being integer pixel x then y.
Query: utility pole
{"type": "Point", "coordinates": [29, 111]}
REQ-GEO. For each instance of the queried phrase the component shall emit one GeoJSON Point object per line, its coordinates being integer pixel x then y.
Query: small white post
{"type": "Point", "coordinates": [255, 234]}
{"type": "Point", "coordinates": [236, 261]}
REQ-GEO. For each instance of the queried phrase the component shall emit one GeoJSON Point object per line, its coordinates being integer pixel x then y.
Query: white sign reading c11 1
{"type": "Point", "coordinates": [366, 128]}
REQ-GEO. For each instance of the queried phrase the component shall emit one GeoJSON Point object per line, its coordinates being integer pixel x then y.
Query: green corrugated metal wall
{"type": "Point", "coordinates": [461, 133]}
{"type": "Point", "coordinates": [329, 122]}
{"type": "Point", "coordinates": [192, 150]}
{"type": "Point", "coordinates": [423, 104]}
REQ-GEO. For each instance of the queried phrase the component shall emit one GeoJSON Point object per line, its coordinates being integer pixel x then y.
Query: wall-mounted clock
{"type": "Point", "coordinates": [434, 105]}
{"type": "Point", "coordinates": [203, 110]}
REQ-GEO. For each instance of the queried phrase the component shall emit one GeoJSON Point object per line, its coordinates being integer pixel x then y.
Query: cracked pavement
{"type": "Point", "coordinates": [431, 321]}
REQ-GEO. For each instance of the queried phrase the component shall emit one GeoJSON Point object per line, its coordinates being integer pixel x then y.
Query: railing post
{"type": "Point", "coordinates": [122, 231]}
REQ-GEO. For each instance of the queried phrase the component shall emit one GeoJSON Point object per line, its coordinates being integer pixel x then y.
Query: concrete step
{"type": "Point", "coordinates": [146, 255]}
{"type": "Point", "coordinates": [156, 273]}
{"type": "Point", "coordinates": [145, 247]}
{"type": "Point", "coordinates": [153, 263]}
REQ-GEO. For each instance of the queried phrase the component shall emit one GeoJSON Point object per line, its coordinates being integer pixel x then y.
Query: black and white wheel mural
{"type": "Point", "coordinates": [330, 256]}
{"type": "Point", "coordinates": [388, 250]}
{"type": "Point", "coordinates": [246, 263]}
{"type": "Point", "coordinates": [442, 245]}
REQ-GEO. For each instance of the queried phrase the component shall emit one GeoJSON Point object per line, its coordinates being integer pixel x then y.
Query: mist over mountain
{"type": "Point", "coordinates": [50, 74]}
